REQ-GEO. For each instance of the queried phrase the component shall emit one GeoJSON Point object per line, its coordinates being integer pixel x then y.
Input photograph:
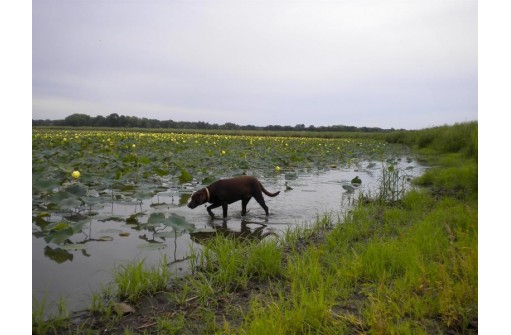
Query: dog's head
{"type": "Point", "coordinates": [198, 198]}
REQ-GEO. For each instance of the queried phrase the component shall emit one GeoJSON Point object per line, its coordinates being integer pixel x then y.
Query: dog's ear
{"type": "Point", "coordinates": [202, 197]}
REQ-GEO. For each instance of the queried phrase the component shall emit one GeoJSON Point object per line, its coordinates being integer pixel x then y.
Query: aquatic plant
{"type": "Point", "coordinates": [78, 172]}
{"type": "Point", "coordinates": [393, 183]}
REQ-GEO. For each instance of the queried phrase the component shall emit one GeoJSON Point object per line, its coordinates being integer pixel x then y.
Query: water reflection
{"type": "Point", "coordinates": [247, 231]}
{"type": "Point", "coordinates": [58, 255]}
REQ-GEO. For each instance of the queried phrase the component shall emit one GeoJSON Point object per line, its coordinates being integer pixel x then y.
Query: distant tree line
{"type": "Point", "coordinates": [121, 121]}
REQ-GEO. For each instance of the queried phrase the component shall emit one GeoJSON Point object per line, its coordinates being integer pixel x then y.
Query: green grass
{"type": "Point", "coordinates": [412, 269]}
{"type": "Point", "coordinates": [44, 322]}
{"type": "Point", "coordinates": [170, 326]}
{"type": "Point", "coordinates": [398, 267]}
{"type": "Point", "coordinates": [231, 263]}
{"type": "Point", "coordinates": [133, 279]}
{"type": "Point", "coordinates": [457, 138]}
{"type": "Point", "coordinates": [454, 179]}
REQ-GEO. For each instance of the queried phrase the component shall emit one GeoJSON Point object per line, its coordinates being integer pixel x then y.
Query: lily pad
{"type": "Point", "coordinates": [141, 195]}
{"type": "Point", "coordinates": [156, 218]}
{"type": "Point", "coordinates": [60, 236]}
{"type": "Point", "coordinates": [161, 172]}
{"type": "Point", "coordinates": [356, 181]}
{"type": "Point", "coordinates": [45, 185]}
{"type": "Point", "coordinates": [116, 218]}
{"type": "Point", "coordinates": [105, 239]}
{"type": "Point", "coordinates": [94, 201]}
{"type": "Point", "coordinates": [179, 223]}
{"type": "Point", "coordinates": [69, 203]}
{"type": "Point", "coordinates": [56, 226]}
{"type": "Point", "coordinates": [183, 199]}
{"type": "Point", "coordinates": [159, 205]}
{"type": "Point", "coordinates": [208, 180]}
{"type": "Point", "coordinates": [77, 190]}
{"type": "Point", "coordinates": [185, 177]}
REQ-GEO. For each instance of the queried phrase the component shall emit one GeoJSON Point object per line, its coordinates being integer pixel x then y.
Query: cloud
{"type": "Point", "coordinates": [253, 62]}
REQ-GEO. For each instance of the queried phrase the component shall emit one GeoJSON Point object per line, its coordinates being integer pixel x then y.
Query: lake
{"type": "Point", "coordinates": [122, 230]}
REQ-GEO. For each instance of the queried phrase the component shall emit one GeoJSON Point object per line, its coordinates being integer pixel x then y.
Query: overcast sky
{"type": "Point", "coordinates": [402, 64]}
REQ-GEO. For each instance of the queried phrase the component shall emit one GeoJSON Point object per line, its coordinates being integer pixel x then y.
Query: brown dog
{"type": "Point", "coordinates": [226, 191]}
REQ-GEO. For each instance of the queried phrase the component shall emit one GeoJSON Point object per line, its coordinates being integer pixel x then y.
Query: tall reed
{"type": "Point", "coordinates": [392, 184]}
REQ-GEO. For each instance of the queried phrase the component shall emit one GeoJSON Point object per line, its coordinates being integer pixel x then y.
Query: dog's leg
{"type": "Point", "coordinates": [259, 198]}
{"type": "Point", "coordinates": [210, 207]}
{"type": "Point", "coordinates": [244, 203]}
{"type": "Point", "coordinates": [224, 207]}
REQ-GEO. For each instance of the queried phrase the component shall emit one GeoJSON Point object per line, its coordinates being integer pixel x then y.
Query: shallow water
{"type": "Point", "coordinates": [74, 275]}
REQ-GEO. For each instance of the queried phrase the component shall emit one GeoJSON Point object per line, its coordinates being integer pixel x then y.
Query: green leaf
{"type": "Point", "coordinates": [43, 215]}
{"type": "Point", "coordinates": [92, 201]}
{"type": "Point", "coordinates": [243, 165]}
{"type": "Point", "coordinates": [156, 218]}
{"type": "Point", "coordinates": [105, 239]}
{"type": "Point", "coordinates": [160, 172]}
{"type": "Point", "coordinates": [356, 181]}
{"type": "Point", "coordinates": [183, 199]}
{"type": "Point", "coordinates": [40, 222]}
{"type": "Point", "coordinates": [132, 219]}
{"type": "Point", "coordinates": [130, 158]}
{"type": "Point", "coordinates": [78, 227]}
{"type": "Point", "coordinates": [59, 226]}
{"type": "Point", "coordinates": [45, 185]}
{"type": "Point", "coordinates": [208, 180]}
{"type": "Point", "coordinates": [77, 190]}
{"type": "Point", "coordinates": [144, 160]}
{"type": "Point", "coordinates": [69, 203]}
{"type": "Point", "coordinates": [60, 236]}
{"type": "Point", "coordinates": [141, 195]}
{"type": "Point", "coordinates": [65, 167]}
{"type": "Point", "coordinates": [61, 195]}
{"type": "Point", "coordinates": [178, 223]}
{"type": "Point", "coordinates": [185, 177]}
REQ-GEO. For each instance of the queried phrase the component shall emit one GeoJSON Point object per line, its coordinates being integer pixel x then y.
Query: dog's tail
{"type": "Point", "coordinates": [268, 193]}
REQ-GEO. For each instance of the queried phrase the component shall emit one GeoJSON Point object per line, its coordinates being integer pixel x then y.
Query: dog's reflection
{"type": "Point", "coordinates": [247, 232]}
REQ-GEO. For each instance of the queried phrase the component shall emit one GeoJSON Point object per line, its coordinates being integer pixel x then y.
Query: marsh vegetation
{"type": "Point", "coordinates": [399, 261]}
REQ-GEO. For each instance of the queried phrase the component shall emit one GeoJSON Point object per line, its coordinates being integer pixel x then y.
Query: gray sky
{"type": "Point", "coordinates": [403, 64]}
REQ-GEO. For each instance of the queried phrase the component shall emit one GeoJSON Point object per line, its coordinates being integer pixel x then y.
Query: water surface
{"type": "Point", "coordinates": [74, 272]}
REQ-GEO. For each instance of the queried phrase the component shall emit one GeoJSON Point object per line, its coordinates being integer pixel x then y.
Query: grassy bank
{"type": "Point", "coordinates": [406, 266]}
